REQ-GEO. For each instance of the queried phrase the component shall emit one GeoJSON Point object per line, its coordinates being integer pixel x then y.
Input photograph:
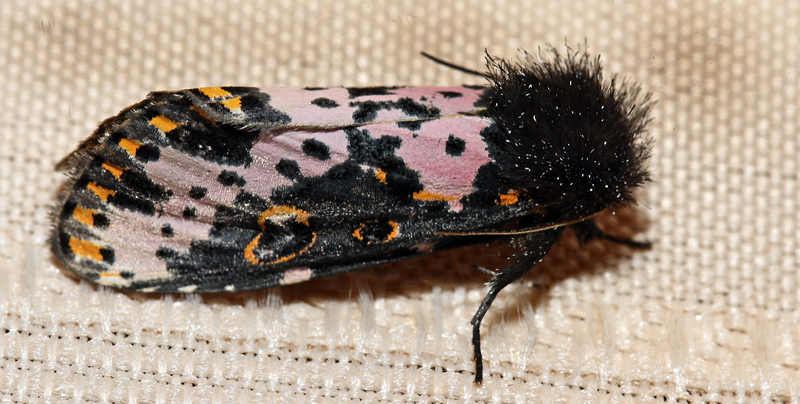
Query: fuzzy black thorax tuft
{"type": "Point", "coordinates": [567, 138]}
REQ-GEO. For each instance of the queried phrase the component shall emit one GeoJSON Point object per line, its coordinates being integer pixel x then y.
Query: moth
{"type": "Point", "coordinates": [226, 189]}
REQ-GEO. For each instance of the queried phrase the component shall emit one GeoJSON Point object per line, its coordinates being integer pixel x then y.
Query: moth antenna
{"type": "Point", "coordinates": [454, 66]}
{"type": "Point", "coordinates": [515, 232]}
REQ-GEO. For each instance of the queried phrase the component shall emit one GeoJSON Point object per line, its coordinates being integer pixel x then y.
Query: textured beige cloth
{"type": "Point", "coordinates": [710, 314]}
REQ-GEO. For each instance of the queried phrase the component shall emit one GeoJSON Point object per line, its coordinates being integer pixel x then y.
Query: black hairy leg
{"type": "Point", "coordinates": [537, 246]}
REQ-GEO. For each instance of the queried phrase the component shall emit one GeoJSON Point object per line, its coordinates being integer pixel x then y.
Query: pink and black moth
{"type": "Point", "coordinates": [239, 188]}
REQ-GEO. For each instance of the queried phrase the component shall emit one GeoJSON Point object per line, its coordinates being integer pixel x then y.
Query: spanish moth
{"type": "Point", "coordinates": [240, 188]}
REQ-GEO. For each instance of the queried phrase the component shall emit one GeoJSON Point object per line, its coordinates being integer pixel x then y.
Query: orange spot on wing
{"type": "Point", "coordinates": [509, 198]}
{"type": "Point", "coordinates": [102, 193]}
{"type": "Point", "coordinates": [214, 92]}
{"type": "Point", "coordinates": [163, 123]}
{"type": "Point", "coordinates": [233, 104]}
{"type": "Point", "coordinates": [85, 249]}
{"type": "Point", "coordinates": [430, 196]}
{"type": "Point", "coordinates": [248, 251]}
{"type": "Point", "coordinates": [116, 171]}
{"type": "Point", "coordinates": [83, 215]}
{"type": "Point", "coordinates": [129, 145]}
{"type": "Point", "coordinates": [381, 176]}
{"type": "Point", "coordinates": [395, 231]}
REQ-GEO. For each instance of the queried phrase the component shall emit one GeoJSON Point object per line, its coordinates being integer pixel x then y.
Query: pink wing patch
{"type": "Point", "coordinates": [304, 106]}
{"type": "Point", "coordinates": [443, 176]}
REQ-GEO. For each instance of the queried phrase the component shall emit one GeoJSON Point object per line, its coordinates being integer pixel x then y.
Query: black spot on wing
{"type": "Point", "coordinates": [323, 102]}
{"type": "Point", "coordinates": [416, 109]}
{"type": "Point", "coordinates": [197, 192]}
{"type": "Point", "coordinates": [100, 221]}
{"type": "Point", "coordinates": [451, 94]}
{"type": "Point", "coordinates": [364, 149]}
{"type": "Point", "coordinates": [147, 153]}
{"type": "Point", "coordinates": [167, 231]}
{"type": "Point", "coordinates": [365, 91]}
{"type": "Point", "coordinates": [189, 213]}
{"type": "Point", "coordinates": [316, 149]}
{"type": "Point", "coordinates": [229, 178]}
{"type": "Point", "coordinates": [108, 255]}
{"type": "Point", "coordinates": [455, 146]}
{"type": "Point", "coordinates": [166, 253]}
{"type": "Point", "coordinates": [288, 168]}
{"type": "Point", "coordinates": [410, 125]}
{"type": "Point", "coordinates": [367, 111]}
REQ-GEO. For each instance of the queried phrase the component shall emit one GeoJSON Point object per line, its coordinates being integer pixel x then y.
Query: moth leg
{"type": "Point", "coordinates": [538, 244]}
{"type": "Point", "coordinates": [587, 231]}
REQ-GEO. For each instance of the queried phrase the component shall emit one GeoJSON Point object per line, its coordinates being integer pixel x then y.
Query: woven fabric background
{"type": "Point", "coordinates": [710, 314]}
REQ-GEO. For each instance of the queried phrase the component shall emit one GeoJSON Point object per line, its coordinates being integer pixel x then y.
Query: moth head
{"type": "Point", "coordinates": [566, 136]}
